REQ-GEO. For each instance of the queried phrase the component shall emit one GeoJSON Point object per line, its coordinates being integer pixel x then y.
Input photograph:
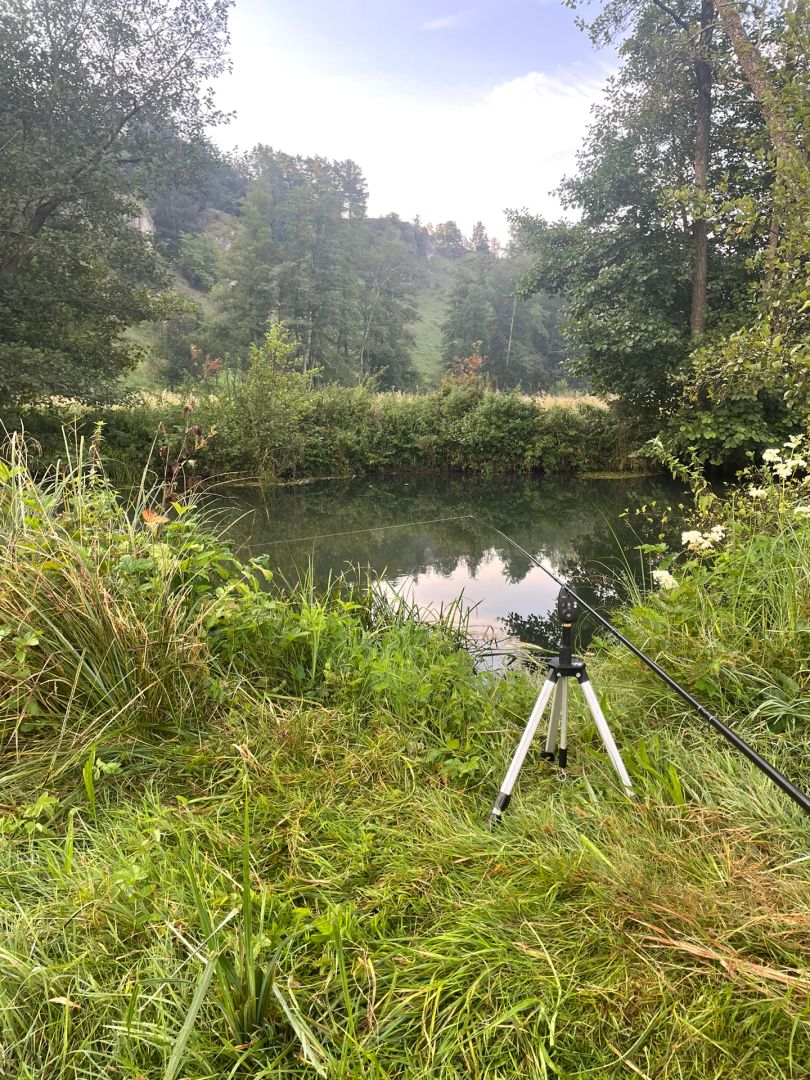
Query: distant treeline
{"type": "Point", "coordinates": [272, 236]}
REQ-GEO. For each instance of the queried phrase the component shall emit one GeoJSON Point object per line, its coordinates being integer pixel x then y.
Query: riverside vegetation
{"type": "Point", "coordinates": [275, 423]}
{"type": "Point", "coordinates": [243, 828]}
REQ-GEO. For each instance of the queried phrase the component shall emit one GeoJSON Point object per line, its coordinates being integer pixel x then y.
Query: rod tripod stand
{"type": "Point", "coordinates": [560, 669]}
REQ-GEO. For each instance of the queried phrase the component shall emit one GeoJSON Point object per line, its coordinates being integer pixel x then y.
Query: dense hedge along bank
{"type": "Point", "coordinates": [274, 422]}
{"type": "Point", "coordinates": [335, 430]}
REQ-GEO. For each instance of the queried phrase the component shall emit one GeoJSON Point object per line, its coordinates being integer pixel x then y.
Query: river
{"type": "Point", "coordinates": [428, 539]}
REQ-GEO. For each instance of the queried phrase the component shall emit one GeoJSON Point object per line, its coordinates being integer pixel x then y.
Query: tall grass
{"type": "Point", "coordinates": [262, 852]}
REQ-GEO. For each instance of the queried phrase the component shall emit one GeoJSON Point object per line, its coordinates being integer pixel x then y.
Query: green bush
{"type": "Point", "coordinates": [274, 423]}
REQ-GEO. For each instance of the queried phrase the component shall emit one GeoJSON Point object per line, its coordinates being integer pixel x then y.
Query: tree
{"type": "Point", "coordinates": [199, 259]}
{"type": "Point", "coordinates": [99, 105]}
{"type": "Point", "coordinates": [306, 254]}
{"type": "Point", "coordinates": [517, 338]}
{"type": "Point", "coordinates": [752, 388]}
{"type": "Point", "coordinates": [626, 270]}
{"type": "Point", "coordinates": [386, 306]}
{"type": "Point", "coordinates": [479, 240]}
{"type": "Point", "coordinates": [686, 28]}
{"type": "Point", "coordinates": [449, 240]}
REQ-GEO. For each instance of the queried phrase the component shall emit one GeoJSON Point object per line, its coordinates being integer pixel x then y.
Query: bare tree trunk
{"type": "Point", "coordinates": [511, 328]}
{"type": "Point", "coordinates": [703, 128]}
{"type": "Point", "coordinates": [773, 246]}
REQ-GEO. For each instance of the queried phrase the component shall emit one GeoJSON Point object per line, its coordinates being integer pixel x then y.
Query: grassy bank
{"type": "Point", "coordinates": [243, 831]}
{"type": "Point", "coordinates": [276, 423]}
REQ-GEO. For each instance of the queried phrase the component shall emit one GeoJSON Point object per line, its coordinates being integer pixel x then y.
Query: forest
{"type": "Point", "coordinates": [243, 801]}
{"type": "Point", "coordinates": [135, 256]}
{"type": "Point", "coordinates": [289, 239]}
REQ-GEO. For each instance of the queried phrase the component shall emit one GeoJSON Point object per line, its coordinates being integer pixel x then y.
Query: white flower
{"type": "Point", "coordinates": [664, 579]}
{"type": "Point", "coordinates": [802, 511]}
{"type": "Point", "coordinates": [757, 493]}
{"type": "Point", "coordinates": [696, 541]}
{"type": "Point", "coordinates": [772, 455]}
{"type": "Point", "coordinates": [715, 534]}
{"type": "Point", "coordinates": [794, 441]}
{"type": "Point", "coordinates": [784, 470]}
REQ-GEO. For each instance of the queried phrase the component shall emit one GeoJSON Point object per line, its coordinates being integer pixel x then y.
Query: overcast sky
{"type": "Point", "coordinates": [452, 111]}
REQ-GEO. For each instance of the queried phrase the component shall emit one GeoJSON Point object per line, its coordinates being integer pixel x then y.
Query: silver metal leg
{"type": "Point", "coordinates": [607, 737]}
{"type": "Point", "coordinates": [560, 696]}
{"type": "Point", "coordinates": [563, 754]}
{"type": "Point", "coordinates": [504, 795]}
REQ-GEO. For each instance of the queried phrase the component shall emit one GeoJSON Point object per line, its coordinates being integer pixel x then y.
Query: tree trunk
{"type": "Point", "coordinates": [750, 60]}
{"type": "Point", "coordinates": [773, 245]}
{"type": "Point", "coordinates": [511, 328]}
{"type": "Point", "coordinates": [703, 127]}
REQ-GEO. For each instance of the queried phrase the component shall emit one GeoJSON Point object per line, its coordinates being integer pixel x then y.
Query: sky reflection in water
{"type": "Point", "coordinates": [572, 525]}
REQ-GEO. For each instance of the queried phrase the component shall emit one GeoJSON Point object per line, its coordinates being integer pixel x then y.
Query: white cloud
{"type": "Point", "coordinates": [467, 156]}
{"type": "Point", "coordinates": [444, 22]}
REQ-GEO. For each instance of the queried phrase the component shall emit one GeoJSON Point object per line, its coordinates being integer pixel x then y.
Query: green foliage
{"type": "Point", "coordinates": [751, 388]}
{"type": "Point", "coordinates": [260, 416]}
{"type": "Point", "coordinates": [199, 258]}
{"type": "Point", "coordinates": [96, 110]}
{"type": "Point", "coordinates": [271, 423]}
{"type": "Point", "coordinates": [449, 240]}
{"type": "Point", "coordinates": [624, 270]}
{"type": "Point", "coordinates": [101, 612]}
{"type": "Point", "coordinates": [518, 337]}
{"type": "Point", "coordinates": [305, 253]}
{"type": "Point", "coordinates": [742, 589]}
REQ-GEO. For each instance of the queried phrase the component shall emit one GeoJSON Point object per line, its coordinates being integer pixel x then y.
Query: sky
{"type": "Point", "coordinates": [452, 110]}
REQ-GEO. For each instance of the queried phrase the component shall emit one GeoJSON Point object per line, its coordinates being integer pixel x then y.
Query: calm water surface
{"type": "Point", "coordinates": [573, 526]}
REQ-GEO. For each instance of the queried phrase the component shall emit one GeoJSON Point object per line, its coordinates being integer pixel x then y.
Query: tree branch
{"type": "Point", "coordinates": [676, 18]}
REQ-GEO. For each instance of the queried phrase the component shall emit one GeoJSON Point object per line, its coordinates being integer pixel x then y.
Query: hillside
{"type": "Point", "coordinates": [431, 300]}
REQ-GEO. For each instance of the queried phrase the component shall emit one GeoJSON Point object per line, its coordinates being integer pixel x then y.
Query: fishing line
{"type": "Point", "coordinates": [374, 528]}
{"type": "Point", "coordinates": [773, 774]}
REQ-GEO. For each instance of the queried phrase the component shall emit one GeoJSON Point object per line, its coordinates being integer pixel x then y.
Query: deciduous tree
{"type": "Point", "coordinates": [99, 102]}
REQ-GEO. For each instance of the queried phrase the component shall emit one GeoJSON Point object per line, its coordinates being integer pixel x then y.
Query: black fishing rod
{"type": "Point", "coordinates": [773, 774]}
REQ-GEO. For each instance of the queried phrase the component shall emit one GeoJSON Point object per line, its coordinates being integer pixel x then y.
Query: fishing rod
{"type": "Point", "coordinates": [372, 529]}
{"type": "Point", "coordinates": [773, 774]}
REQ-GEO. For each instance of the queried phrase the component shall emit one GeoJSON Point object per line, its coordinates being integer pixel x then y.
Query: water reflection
{"type": "Point", "coordinates": [445, 548]}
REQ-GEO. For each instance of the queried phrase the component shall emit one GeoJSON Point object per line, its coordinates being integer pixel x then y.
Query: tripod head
{"type": "Point", "coordinates": [568, 611]}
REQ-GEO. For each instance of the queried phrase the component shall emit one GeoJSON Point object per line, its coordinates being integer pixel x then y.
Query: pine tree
{"type": "Point", "coordinates": [479, 241]}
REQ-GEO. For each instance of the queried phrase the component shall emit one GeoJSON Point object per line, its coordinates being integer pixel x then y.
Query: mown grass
{"type": "Point", "coordinates": [243, 832]}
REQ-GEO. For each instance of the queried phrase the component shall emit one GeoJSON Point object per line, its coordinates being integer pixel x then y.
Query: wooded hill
{"type": "Point", "coordinates": [272, 236]}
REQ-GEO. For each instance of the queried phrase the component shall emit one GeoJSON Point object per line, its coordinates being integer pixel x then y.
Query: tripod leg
{"type": "Point", "coordinates": [604, 731]}
{"type": "Point", "coordinates": [554, 722]}
{"type": "Point", "coordinates": [505, 794]}
{"type": "Point", "coordinates": [562, 757]}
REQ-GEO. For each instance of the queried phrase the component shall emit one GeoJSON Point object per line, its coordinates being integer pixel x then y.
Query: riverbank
{"type": "Point", "coordinates": [281, 429]}
{"type": "Point", "coordinates": [244, 831]}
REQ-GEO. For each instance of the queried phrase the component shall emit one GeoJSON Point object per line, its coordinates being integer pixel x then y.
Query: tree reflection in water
{"type": "Point", "coordinates": [573, 525]}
